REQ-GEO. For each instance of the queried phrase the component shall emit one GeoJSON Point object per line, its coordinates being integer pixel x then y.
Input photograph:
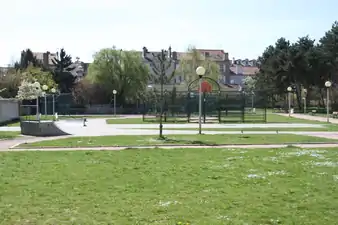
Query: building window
{"type": "Point", "coordinates": [221, 68]}
{"type": "Point", "coordinates": [207, 54]}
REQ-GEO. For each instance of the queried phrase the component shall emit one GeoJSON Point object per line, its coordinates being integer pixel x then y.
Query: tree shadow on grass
{"type": "Point", "coordinates": [167, 141]}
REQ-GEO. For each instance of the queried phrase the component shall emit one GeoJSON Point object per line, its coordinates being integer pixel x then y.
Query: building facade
{"type": "Point", "coordinates": [240, 69]}
{"type": "Point", "coordinates": [216, 55]}
{"type": "Point", "coordinates": [47, 58]}
{"type": "Point", "coordinates": [232, 72]}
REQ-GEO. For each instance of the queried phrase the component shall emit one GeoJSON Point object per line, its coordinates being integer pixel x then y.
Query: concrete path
{"type": "Point", "coordinates": [98, 126]}
{"type": "Point", "coordinates": [309, 117]}
{"type": "Point", "coordinates": [177, 146]}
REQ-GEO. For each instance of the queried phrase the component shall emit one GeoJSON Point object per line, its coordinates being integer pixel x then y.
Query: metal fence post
{"type": "Point", "coordinates": [243, 107]}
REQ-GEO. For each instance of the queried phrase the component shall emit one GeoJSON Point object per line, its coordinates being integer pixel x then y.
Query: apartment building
{"type": "Point", "coordinates": [231, 71]}
{"type": "Point", "coordinates": [241, 68]}
{"type": "Point", "coordinates": [222, 59]}
{"type": "Point", "coordinates": [215, 55]}
{"type": "Point", "coordinates": [47, 58]}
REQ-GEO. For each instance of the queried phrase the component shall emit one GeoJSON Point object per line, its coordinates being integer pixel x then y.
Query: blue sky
{"type": "Point", "coordinates": [243, 28]}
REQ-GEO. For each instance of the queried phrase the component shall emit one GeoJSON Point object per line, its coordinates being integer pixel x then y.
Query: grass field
{"type": "Point", "coordinates": [195, 186]}
{"type": "Point", "coordinates": [177, 140]}
{"type": "Point", "coordinates": [271, 118]}
{"type": "Point", "coordinates": [324, 128]}
{"type": "Point", "coordinates": [8, 134]}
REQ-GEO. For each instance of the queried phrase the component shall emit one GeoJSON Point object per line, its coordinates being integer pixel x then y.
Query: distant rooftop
{"type": "Point", "coordinates": [40, 56]}
{"type": "Point", "coordinates": [244, 66]}
{"type": "Point", "coordinates": [244, 62]}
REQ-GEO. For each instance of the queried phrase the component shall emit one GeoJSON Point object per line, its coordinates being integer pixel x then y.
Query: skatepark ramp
{"type": "Point", "coordinates": [41, 128]}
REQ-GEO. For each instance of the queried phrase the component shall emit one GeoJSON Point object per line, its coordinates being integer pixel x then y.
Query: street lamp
{"type": "Point", "coordinates": [252, 101]}
{"type": "Point", "coordinates": [114, 93]}
{"type": "Point", "coordinates": [45, 88]}
{"type": "Point", "coordinates": [328, 85]}
{"type": "Point", "coordinates": [37, 86]}
{"type": "Point", "coordinates": [53, 91]}
{"type": "Point", "coordinates": [200, 71]}
{"type": "Point", "coordinates": [160, 64]}
{"type": "Point", "coordinates": [289, 89]}
{"type": "Point", "coordinates": [305, 93]}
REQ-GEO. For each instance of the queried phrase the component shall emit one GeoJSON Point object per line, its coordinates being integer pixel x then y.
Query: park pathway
{"type": "Point", "coordinates": [310, 117]}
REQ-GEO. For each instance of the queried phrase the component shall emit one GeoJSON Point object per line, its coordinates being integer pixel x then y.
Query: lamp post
{"type": "Point", "coordinates": [328, 85]}
{"type": "Point", "coordinates": [53, 91]}
{"type": "Point", "coordinates": [45, 88]}
{"type": "Point", "coordinates": [252, 101]}
{"type": "Point", "coordinates": [289, 89]}
{"type": "Point", "coordinates": [37, 86]}
{"type": "Point", "coordinates": [114, 93]}
{"type": "Point", "coordinates": [160, 64]}
{"type": "Point", "coordinates": [200, 71]}
{"type": "Point", "coordinates": [305, 93]}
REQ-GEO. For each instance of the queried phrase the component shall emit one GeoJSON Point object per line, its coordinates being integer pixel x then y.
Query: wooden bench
{"type": "Point", "coordinates": [335, 115]}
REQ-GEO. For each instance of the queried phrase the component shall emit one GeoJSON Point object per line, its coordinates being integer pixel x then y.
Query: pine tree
{"type": "Point", "coordinates": [62, 73]}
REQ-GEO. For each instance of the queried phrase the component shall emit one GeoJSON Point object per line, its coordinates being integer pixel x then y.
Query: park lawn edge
{"type": "Point", "coordinates": [324, 129]}
{"type": "Point", "coordinates": [162, 146]}
{"type": "Point", "coordinates": [105, 141]}
{"type": "Point", "coordinates": [9, 135]}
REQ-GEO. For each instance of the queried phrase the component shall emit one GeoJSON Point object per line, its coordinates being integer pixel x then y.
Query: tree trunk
{"type": "Point", "coordinates": [299, 96]}
{"type": "Point", "coordinates": [321, 97]}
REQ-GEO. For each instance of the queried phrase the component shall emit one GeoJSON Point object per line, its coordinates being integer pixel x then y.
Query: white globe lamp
{"type": "Point", "coordinates": [200, 71]}
{"type": "Point", "coordinates": [328, 84]}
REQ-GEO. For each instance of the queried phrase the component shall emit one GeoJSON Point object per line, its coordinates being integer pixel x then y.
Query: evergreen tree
{"type": "Point", "coordinates": [27, 58]}
{"type": "Point", "coordinates": [301, 65]}
{"type": "Point", "coordinates": [62, 73]}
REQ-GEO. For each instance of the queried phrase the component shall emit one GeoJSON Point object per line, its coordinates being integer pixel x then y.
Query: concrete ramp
{"type": "Point", "coordinates": [71, 127]}
{"type": "Point", "coordinates": [41, 128]}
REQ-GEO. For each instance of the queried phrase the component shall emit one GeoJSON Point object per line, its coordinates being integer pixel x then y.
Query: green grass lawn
{"type": "Point", "coordinates": [271, 118]}
{"type": "Point", "coordinates": [145, 140]}
{"type": "Point", "coordinates": [195, 186]}
{"type": "Point", "coordinates": [324, 128]}
{"type": "Point", "coordinates": [274, 118]}
{"type": "Point", "coordinates": [8, 134]}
